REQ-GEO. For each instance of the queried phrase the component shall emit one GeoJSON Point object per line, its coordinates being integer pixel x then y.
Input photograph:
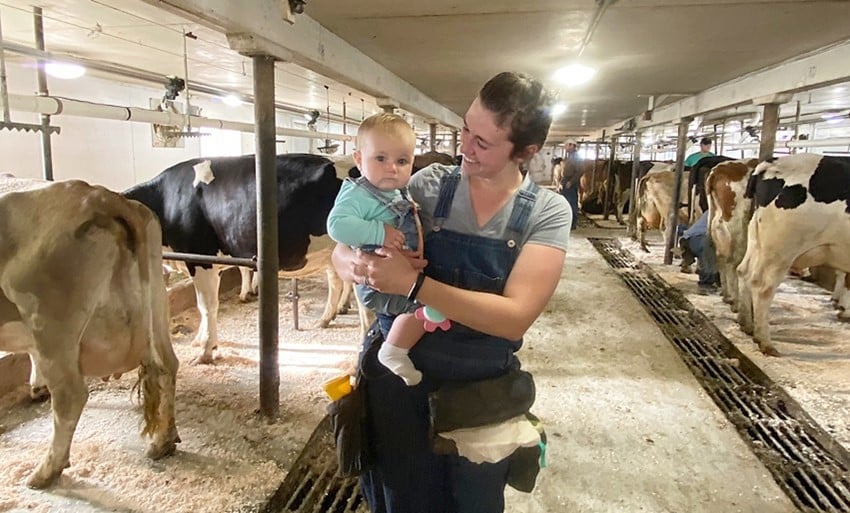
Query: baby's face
{"type": "Point", "coordinates": [385, 160]}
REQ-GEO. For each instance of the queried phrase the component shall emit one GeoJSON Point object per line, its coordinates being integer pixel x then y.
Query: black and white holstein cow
{"type": "Point", "coordinates": [801, 218]}
{"type": "Point", "coordinates": [209, 207]}
{"type": "Point", "coordinates": [81, 291]}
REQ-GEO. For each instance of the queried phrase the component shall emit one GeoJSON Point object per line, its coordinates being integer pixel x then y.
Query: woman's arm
{"type": "Point", "coordinates": [530, 285]}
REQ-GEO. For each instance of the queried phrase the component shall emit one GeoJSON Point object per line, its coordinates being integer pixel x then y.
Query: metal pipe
{"type": "Point", "coordinates": [46, 147]}
{"type": "Point", "coordinates": [55, 106]}
{"type": "Point", "coordinates": [454, 143]}
{"type": "Point", "coordinates": [268, 262]}
{"type": "Point", "coordinates": [4, 90]}
{"type": "Point", "coordinates": [138, 74]}
{"type": "Point", "coordinates": [294, 296]}
{"type": "Point", "coordinates": [673, 215]}
{"type": "Point", "coordinates": [796, 124]}
{"type": "Point", "coordinates": [209, 259]}
{"type": "Point", "coordinates": [633, 210]}
{"type": "Point", "coordinates": [344, 128]}
{"type": "Point", "coordinates": [609, 187]}
{"type": "Point", "coordinates": [602, 6]}
{"type": "Point", "coordinates": [432, 136]}
{"type": "Point", "coordinates": [823, 143]}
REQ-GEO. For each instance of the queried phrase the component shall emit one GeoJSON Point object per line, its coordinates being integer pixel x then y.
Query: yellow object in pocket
{"type": "Point", "coordinates": [338, 387]}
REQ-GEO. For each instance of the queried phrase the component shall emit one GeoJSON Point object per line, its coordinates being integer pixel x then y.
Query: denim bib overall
{"type": "Point", "coordinates": [407, 222]}
{"type": "Point", "coordinates": [407, 476]}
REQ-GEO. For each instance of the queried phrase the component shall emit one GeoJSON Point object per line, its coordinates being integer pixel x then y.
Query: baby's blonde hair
{"type": "Point", "coordinates": [388, 124]}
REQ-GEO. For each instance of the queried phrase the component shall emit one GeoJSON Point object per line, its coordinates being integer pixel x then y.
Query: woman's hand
{"type": "Point", "coordinates": [389, 270]}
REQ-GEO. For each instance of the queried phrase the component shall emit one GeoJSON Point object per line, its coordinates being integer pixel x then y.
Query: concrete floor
{"type": "Point", "coordinates": [630, 428]}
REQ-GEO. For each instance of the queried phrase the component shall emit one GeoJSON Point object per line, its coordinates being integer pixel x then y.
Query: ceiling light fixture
{"type": "Point", "coordinates": [558, 109]}
{"type": "Point", "coordinates": [574, 74]}
{"type": "Point", "coordinates": [64, 70]}
{"type": "Point", "coordinates": [231, 100]}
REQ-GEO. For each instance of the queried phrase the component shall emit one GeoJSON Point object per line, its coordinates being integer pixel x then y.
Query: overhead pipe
{"type": "Point", "coordinates": [140, 75]}
{"type": "Point", "coordinates": [823, 143]}
{"type": "Point", "coordinates": [601, 7]}
{"type": "Point", "coordinates": [54, 106]}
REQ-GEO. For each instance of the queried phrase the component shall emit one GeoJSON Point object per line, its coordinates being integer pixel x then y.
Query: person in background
{"type": "Point", "coordinates": [695, 243]}
{"type": "Point", "coordinates": [704, 151]}
{"type": "Point", "coordinates": [570, 174]}
{"type": "Point", "coordinates": [495, 246]}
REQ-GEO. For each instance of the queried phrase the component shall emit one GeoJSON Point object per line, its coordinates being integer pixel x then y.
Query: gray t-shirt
{"type": "Point", "coordinates": [548, 225]}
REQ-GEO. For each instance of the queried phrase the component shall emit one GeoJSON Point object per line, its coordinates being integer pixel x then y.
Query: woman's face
{"type": "Point", "coordinates": [485, 146]}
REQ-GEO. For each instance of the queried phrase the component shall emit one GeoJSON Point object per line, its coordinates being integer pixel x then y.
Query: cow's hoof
{"type": "Point", "coordinates": [159, 451]}
{"type": "Point", "coordinates": [727, 300]}
{"type": "Point", "coordinates": [44, 477]}
{"type": "Point", "coordinates": [323, 323]}
{"type": "Point", "coordinates": [769, 350]}
{"type": "Point", "coordinates": [39, 394]}
{"type": "Point", "coordinates": [343, 310]}
{"type": "Point", "coordinates": [248, 298]}
{"type": "Point", "coordinates": [204, 359]}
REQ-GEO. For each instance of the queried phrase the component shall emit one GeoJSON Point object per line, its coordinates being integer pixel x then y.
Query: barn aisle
{"type": "Point", "coordinates": [630, 428]}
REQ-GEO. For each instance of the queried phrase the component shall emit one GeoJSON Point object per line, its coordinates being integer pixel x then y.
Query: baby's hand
{"type": "Point", "coordinates": [393, 238]}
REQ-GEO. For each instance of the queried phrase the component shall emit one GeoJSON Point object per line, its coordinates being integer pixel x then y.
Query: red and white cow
{"type": "Point", "coordinates": [81, 291]}
{"type": "Point", "coordinates": [729, 215]}
{"type": "Point", "coordinates": [801, 218]}
{"type": "Point", "coordinates": [654, 199]}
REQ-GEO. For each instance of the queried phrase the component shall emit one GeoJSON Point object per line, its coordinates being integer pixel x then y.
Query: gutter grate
{"type": "Point", "coordinates": [312, 484]}
{"type": "Point", "coordinates": [804, 459]}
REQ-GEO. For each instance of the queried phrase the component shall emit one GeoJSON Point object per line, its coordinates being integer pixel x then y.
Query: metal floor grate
{"type": "Point", "coordinates": [806, 461]}
{"type": "Point", "coordinates": [312, 484]}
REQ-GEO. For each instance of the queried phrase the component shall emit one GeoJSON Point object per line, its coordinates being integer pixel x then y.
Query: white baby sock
{"type": "Point", "coordinates": [396, 360]}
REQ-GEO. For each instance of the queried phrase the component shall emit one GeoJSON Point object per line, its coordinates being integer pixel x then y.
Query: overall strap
{"type": "Point", "coordinates": [375, 192]}
{"type": "Point", "coordinates": [448, 186]}
{"type": "Point", "coordinates": [523, 203]}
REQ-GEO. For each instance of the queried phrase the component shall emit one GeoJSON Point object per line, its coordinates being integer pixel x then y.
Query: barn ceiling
{"type": "Point", "coordinates": [446, 49]}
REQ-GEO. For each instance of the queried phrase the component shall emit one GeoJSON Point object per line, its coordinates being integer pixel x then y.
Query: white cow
{"type": "Point", "coordinates": [802, 218]}
{"type": "Point", "coordinates": [81, 291]}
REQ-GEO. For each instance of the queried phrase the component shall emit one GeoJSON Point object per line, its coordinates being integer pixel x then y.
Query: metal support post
{"type": "Point", "coordinates": [46, 147]}
{"type": "Point", "coordinates": [673, 215]}
{"type": "Point", "coordinates": [267, 233]}
{"type": "Point", "coordinates": [633, 206]}
{"type": "Point", "coordinates": [609, 188]}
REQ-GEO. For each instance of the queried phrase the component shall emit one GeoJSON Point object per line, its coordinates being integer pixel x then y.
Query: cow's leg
{"type": "Point", "coordinates": [68, 396]}
{"type": "Point", "coordinates": [38, 387]}
{"type": "Point", "coordinates": [840, 287]}
{"type": "Point", "coordinates": [344, 305]}
{"type": "Point", "coordinates": [367, 318]}
{"type": "Point", "coordinates": [745, 298]}
{"type": "Point", "coordinates": [763, 287]}
{"type": "Point", "coordinates": [246, 291]}
{"type": "Point", "coordinates": [842, 292]}
{"type": "Point", "coordinates": [206, 283]}
{"type": "Point", "coordinates": [159, 389]}
{"type": "Point", "coordinates": [334, 292]}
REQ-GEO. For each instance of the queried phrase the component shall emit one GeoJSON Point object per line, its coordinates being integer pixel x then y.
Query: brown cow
{"type": "Point", "coordinates": [654, 198]}
{"type": "Point", "coordinates": [82, 291]}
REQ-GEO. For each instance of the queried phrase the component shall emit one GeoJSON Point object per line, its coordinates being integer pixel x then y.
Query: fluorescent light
{"type": "Point", "coordinates": [574, 74]}
{"type": "Point", "coordinates": [558, 109]}
{"type": "Point", "coordinates": [231, 100]}
{"type": "Point", "coordinates": [64, 70]}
